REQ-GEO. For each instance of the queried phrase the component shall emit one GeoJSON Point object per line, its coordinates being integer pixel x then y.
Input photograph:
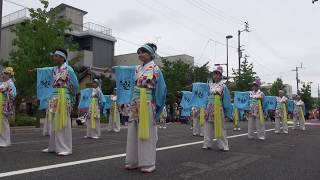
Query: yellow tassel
{"type": "Point", "coordinates": [62, 109]}
{"type": "Point", "coordinates": [217, 117]}
{"type": "Point", "coordinates": [236, 117]}
{"type": "Point", "coordinates": [143, 129]}
{"type": "Point", "coordinates": [285, 115]}
{"type": "Point", "coordinates": [302, 114]}
{"type": "Point", "coordinates": [202, 114]}
{"type": "Point", "coordinates": [261, 116]}
{"type": "Point", "coordinates": [114, 113]}
{"type": "Point", "coordinates": [1, 112]}
{"type": "Point", "coordinates": [93, 108]}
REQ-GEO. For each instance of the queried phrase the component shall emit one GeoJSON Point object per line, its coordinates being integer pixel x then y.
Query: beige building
{"type": "Point", "coordinates": [287, 88]}
{"type": "Point", "coordinates": [132, 59]}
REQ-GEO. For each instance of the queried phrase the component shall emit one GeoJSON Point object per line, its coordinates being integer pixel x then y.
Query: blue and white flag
{"type": "Point", "coordinates": [290, 105]}
{"type": "Point", "coordinates": [200, 92]}
{"type": "Point", "coordinates": [85, 98]}
{"type": "Point", "coordinates": [44, 85]}
{"type": "Point", "coordinates": [125, 82]}
{"type": "Point", "coordinates": [242, 100]}
{"type": "Point", "coordinates": [186, 103]}
{"type": "Point", "coordinates": [269, 103]}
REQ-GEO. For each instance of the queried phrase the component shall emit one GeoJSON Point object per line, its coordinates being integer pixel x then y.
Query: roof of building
{"type": "Point", "coordinates": [63, 6]}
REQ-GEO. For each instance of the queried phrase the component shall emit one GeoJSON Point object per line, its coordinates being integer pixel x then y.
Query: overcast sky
{"type": "Point", "coordinates": [283, 34]}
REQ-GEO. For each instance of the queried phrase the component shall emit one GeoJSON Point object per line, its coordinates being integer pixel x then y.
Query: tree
{"type": "Point", "coordinates": [305, 94]}
{"type": "Point", "coordinates": [108, 85]}
{"type": "Point", "coordinates": [178, 76]}
{"type": "Point", "coordinates": [201, 73]}
{"type": "Point", "coordinates": [35, 40]}
{"type": "Point", "coordinates": [243, 82]}
{"type": "Point", "coordinates": [276, 86]}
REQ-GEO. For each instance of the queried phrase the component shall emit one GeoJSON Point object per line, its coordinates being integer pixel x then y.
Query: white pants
{"type": "Point", "coordinates": [93, 132]}
{"type": "Point", "coordinates": [278, 124]}
{"type": "Point", "coordinates": [46, 126]}
{"type": "Point", "coordinates": [297, 119]}
{"type": "Point", "coordinates": [222, 142]}
{"type": "Point", "coordinates": [5, 132]}
{"type": "Point", "coordinates": [254, 123]}
{"type": "Point", "coordinates": [61, 139]}
{"type": "Point", "coordinates": [197, 128]}
{"type": "Point", "coordinates": [141, 153]}
{"type": "Point", "coordinates": [114, 124]}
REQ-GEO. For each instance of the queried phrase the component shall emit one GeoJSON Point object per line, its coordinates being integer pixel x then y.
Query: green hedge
{"type": "Point", "coordinates": [23, 120]}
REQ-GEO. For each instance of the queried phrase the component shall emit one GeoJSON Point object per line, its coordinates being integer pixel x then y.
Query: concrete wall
{"type": "Point", "coordinates": [76, 17]}
{"type": "Point", "coordinates": [86, 58]}
{"type": "Point", "coordinates": [7, 38]}
{"type": "Point", "coordinates": [132, 59]}
{"type": "Point", "coordinates": [103, 52]}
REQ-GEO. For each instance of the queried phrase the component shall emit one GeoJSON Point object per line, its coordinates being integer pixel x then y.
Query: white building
{"type": "Point", "coordinates": [132, 59]}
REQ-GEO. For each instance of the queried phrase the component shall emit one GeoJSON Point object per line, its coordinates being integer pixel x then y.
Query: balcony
{"type": "Point", "coordinates": [85, 28]}
{"type": "Point", "coordinates": [15, 17]}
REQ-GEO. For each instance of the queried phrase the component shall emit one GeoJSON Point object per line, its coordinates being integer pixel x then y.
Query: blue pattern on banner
{"type": "Point", "coordinates": [44, 85]}
{"type": "Point", "coordinates": [85, 98]}
{"type": "Point", "coordinates": [125, 82]}
{"type": "Point", "coordinates": [242, 100]}
{"type": "Point", "coordinates": [290, 105]}
{"type": "Point", "coordinates": [186, 103]}
{"type": "Point", "coordinates": [269, 103]}
{"type": "Point", "coordinates": [200, 92]}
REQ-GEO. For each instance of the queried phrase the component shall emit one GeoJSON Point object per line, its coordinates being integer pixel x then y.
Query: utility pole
{"type": "Point", "coordinates": [246, 29]}
{"type": "Point", "coordinates": [297, 76]}
{"type": "Point", "coordinates": [227, 38]}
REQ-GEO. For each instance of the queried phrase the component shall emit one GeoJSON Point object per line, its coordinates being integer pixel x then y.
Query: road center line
{"type": "Point", "coordinates": [72, 163]}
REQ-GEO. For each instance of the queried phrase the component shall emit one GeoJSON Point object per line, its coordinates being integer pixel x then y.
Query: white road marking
{"type": "Point", "coordinates": [72, 163]}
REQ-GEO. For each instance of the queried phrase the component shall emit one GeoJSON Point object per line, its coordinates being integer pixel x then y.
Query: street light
{"type": "Point", "coordinates": [227, 38]}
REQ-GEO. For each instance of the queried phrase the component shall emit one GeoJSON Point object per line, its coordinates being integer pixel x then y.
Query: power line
{"type": "Point", "coordinates": [204, 9]}
{"type": "Point", "coordinates": [17, 4]}
{"type": "Point", "coordinates": [184, 15]}
{"type": "Point", "coordinates": [222, 12]}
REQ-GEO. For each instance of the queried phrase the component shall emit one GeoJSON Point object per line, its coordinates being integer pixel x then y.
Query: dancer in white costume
{"type": "Point", "coordinates": [256, 116]}
{"type": "Point", "coordinates": [8, 92]}
{"type": "Point", "coordinates": [216, 120]}
{"type": "Point", "coordinates": [281, 115]}
{"type": "Point", "coordinates": [146, 107]}
{"type": "Point", "coordinates": [93, 117]}
{"type": "Point", "coordinates": [65, 86]}
{"type": "Point", "coordinates": [114, 116]}
{"type": "Point", "coordinates": [298, 114]}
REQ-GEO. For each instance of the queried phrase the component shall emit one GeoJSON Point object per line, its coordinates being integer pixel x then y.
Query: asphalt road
{"type": "Point", "coordinates": [179, 156]}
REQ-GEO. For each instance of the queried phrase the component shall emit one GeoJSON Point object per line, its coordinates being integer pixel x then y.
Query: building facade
{"type": "Point", "coordinates": [133, 60]}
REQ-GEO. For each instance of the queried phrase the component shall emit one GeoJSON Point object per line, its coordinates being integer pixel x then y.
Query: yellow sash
{"type": "Point", "coordinates": [93, 108]}
{"type": "Point", "coordinates": [143, 128]}
{"type": "Point", "coordinates": [61, 122]}
{"type": "Point", "coordinates": [114, 113]}
{"type": "Point", "coordinates": [285, 115]}
{"type": "Point", "coordinates": [236, 116]}
{"type": "Point", "coordinates": [217, 117]}
{"type": "Point", "coordinates": [202, 114]}
{"type": "Point", "coordinates": [261, 116]}
{"type": "Point", "coordinates": [301, 114]}
{"type": "Point", "coordinates": [1, 112]}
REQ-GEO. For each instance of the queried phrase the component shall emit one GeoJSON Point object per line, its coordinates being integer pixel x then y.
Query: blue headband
{"type": "Point", "coordinates": [60, 53]}
{"type": "Point", "coordinates": [150, 49]}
